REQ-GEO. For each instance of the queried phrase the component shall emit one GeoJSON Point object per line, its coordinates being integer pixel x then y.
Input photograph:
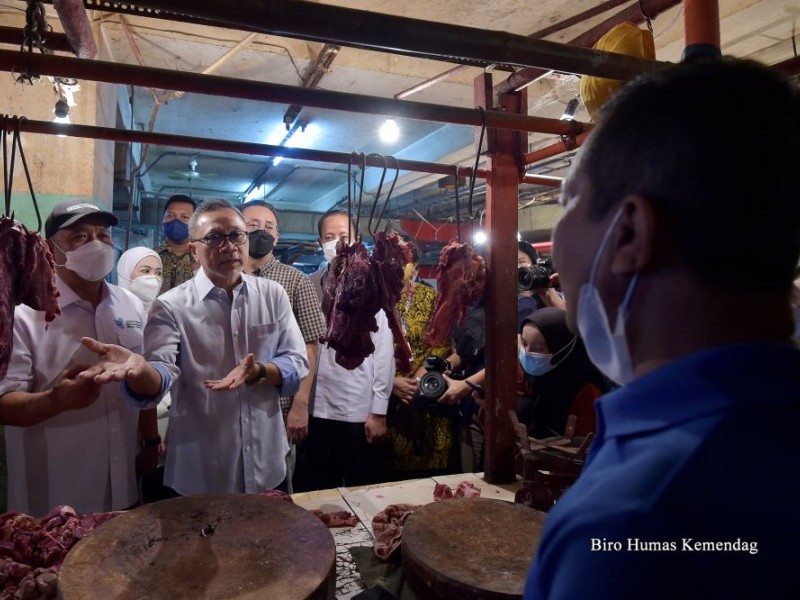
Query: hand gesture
{"type": "Point", "coordinates": [244, 371]}
{"type": "Point", "coordinates": [71, 392]}
{"type": "Point", "coordinates": [405, 388]}
{"type": "Point", "coordinates": [116, 363]}
{"type": "Point", "coordinates": [456, 390]}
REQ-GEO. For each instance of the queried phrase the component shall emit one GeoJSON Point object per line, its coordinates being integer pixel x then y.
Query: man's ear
{"type": "Point", "coordinates": [634, 241]}
{"type": "Point", "coordinates": [193, 250]}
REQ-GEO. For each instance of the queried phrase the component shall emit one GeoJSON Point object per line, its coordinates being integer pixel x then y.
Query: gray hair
{"type": "Point", "coordinates": [210, 206]}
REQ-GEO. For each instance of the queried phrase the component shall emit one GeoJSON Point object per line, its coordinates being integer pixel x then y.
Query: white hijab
{"type": "Point", "coordinates": [128, 261]}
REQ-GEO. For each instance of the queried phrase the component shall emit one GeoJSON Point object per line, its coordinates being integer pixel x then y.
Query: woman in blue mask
{"type": "Point", "coordinates": [564, 381]}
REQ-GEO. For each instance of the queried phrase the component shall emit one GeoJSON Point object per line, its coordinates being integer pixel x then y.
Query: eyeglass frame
{"type": "Point", "coordinates": [223, 237]}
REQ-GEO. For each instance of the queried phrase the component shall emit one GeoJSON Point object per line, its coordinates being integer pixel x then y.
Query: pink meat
{"type": "Point", "coordinates": [387, 526]}
{"type": "Point", "coordinates": [460, 280]}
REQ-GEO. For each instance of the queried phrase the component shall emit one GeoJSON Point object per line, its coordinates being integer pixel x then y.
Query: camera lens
{"type": "Point", "coordinates": [432, 385]}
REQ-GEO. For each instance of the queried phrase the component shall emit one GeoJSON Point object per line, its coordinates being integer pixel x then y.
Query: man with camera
{"type": "Point", "coordinates": [536, 282]}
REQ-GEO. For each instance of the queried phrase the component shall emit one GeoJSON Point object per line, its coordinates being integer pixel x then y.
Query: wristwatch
{"type": "Point", "coordinates": [260, 376]}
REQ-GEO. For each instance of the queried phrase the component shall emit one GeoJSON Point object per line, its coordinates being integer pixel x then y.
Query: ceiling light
{"type": "Point", "coordinates": [389, 131]}
{"type": "Point", "coordinates": [479, 238]}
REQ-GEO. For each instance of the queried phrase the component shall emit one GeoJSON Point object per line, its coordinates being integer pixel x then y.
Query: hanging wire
{"type": "Point", "coordinates": [350, 190]}
{"type": "Point", "coordinates": [377, 193]}
{"type": "Point", "coordinates": [4, 141]}
{"type": "Point", "coordinates": [391, 189]}
{"type": "Point", "coordinates": [363, 158]}
{"type": "Point", "coordinates": [474, 174]}
{"type": "Point", "coordinates": [18, 142]}
{"type": "Point", "coordinates": [458, 208]}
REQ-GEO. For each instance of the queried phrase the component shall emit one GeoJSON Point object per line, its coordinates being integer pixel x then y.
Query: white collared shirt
{"type": "Point", "coordinates": [85, 457]}
{"type": "Point", "coordinates": [343, 395]}
{"type": "Point", "coordinates": [231, 441]}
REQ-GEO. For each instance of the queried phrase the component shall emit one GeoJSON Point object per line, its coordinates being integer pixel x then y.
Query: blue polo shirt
{"type": "Point", "coordinates": [691, 489]}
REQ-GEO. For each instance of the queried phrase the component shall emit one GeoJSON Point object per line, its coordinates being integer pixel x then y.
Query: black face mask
{"type": "Point", "coordinates": [261, 243]}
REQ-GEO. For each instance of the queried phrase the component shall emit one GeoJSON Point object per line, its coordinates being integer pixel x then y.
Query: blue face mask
{"type": "Point", "coordinates": [176, 230]}
{"type": "Point", "coordinates": [534, 363]}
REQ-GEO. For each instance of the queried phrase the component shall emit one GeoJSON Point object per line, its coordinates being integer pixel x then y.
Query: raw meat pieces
{"type": "Point", "coordinates": [387, 526]}
{"type": "Point", "coordinates": [340, 518]}
{"type": "Point", "coordinates": [388, 259]}
{"type": "Point", "coordinates": [460, 281]}
{"type": "Point", "coordinates": [465, 489]}
{"type": "Point", "coordinates": [358, 286]}
{"type": "Point", "coordinates": [27, 273]}
{"type": "Point", "coordinates": [31, 553]}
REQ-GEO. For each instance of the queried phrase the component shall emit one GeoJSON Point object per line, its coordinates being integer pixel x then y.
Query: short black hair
{"type": "Point", "coordinates": [209, 206]}
{"type": "Point", "coordinates": [331, 213]}
{"type": "Point", "coordinates": [265, 205]}
{"type": "Point", "coordinates": [713, 145]}
{"type": "Point", "coordinates": [180, 198]}
{"type": "Point", "coordinates": [529, 250]}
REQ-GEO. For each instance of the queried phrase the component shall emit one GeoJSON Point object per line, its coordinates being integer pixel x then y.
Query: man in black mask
{"type": "Point", "coordinates": [262, 228]}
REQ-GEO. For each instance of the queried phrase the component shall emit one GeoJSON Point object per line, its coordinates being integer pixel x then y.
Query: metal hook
{"type": "Point", "coordinates": [647, 18]}
{"type": "Point", "coordinates": [391, 189]}
{"type": "Point", "coordinates": [4, 141]}
{"type": "Point", "coordinates": [349, 188]}
{"type": "Point", "coordinates": [474, 174]}
{"type": "Point", "coordinates": [363, 158]}
{"type": "Point", "coordinates": [18, 143]}
{"type": "Point", "coordinates": [378, 192]}
{"type": "Point", "coordinates": [458, 207]}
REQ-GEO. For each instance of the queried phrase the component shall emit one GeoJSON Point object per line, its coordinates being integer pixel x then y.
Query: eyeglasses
{"type": "Point", "coordinates": [217, 240]}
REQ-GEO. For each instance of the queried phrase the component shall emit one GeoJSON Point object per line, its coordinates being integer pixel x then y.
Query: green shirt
{"type": "Point", "coordinates": [176, 269]}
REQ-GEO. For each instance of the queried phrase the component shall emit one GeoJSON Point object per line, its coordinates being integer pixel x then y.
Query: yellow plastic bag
{"type": "Point", "coordinates": [625, 38]}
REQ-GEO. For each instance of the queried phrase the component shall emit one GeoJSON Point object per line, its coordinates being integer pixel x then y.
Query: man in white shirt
{"type": "Point", "coordinates": [69, 440]}
{"type": "Point", "coordinates": [224, 436]}
{"type": "Point", "coordinates": [348, 407]}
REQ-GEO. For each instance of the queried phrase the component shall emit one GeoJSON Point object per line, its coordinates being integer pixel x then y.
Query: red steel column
{"type": "Point", "coordinates": [505, 150]}
{"type": "Point", "coordinates": [701, 23]}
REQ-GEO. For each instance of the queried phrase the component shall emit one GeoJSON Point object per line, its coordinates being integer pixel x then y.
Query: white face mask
{"type": "Point", "coordinates": [92, 261]}
{"type": "Point", "coordinates": [606, 349]}
{"type": "Point", "coordinates": [329, 249]}
{"type": "Point", "coordinates": [146, 288]}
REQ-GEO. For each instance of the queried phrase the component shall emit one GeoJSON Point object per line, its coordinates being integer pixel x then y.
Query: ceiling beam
{"type": "Point", "coordinates": [229, 87]}
{"type": "Point", "coordinates": [402, 35]}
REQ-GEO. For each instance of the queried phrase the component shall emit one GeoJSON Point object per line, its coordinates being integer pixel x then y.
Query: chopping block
{"type": "Point", "coordinates": [470, 548]}
{"type": "Point", "coordinates": [209, 546]}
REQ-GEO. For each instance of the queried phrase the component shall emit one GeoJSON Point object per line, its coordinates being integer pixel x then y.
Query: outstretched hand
{"type": "Point", "coordinates": [116, 363]}
{"type": "Point", "coordinates": [244, 371]}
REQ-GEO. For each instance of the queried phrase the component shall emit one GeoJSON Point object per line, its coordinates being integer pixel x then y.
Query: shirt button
{"type": "Point", "coordinates": [246, 420]}
{"type": "Point", "coordinates": [247, 449]}
{"type": "Point", "coordinates": [235, 334]}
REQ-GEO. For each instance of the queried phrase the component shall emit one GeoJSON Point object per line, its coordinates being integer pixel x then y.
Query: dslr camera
{"type": "Point", "coordinates": [433, 384]}
{"type": "Point", "coordinates": [536, 276]}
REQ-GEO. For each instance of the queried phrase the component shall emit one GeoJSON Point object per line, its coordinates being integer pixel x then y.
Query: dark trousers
{"type": "Point", "coordinates": [338, 454]}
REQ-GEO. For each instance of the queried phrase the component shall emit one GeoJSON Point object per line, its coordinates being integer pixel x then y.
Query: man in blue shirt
{"type": "Point", "coordinates": [691, 487]}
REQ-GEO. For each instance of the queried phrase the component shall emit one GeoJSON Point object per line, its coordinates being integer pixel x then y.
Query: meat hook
{"type": "Point", "coordinates": [474, 175]}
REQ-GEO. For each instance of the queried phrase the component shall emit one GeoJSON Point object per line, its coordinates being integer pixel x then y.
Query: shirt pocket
{"type": "Point", "coordinates": [132, 339]}
{"type": "Point", "coordinates": [264, 340]}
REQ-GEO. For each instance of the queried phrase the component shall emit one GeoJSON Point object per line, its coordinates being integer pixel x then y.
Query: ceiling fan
{"type": "Point", "coordinates": [192, 174]}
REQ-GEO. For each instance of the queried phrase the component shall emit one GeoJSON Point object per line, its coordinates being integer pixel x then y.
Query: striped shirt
{"type": "Point", "coordinates": [303, 299]}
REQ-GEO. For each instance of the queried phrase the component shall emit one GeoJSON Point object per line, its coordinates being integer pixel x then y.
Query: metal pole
{"type": "Point", "coordinates": [214, 145]}
{"type": "Point", "coordinates": [402, 35]}
{"type": "Point", "coordinates": [555, 149]}
{"type": "Point", "coordinates": [215, 85]}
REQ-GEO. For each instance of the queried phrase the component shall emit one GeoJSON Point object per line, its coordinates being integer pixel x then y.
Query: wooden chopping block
{"type": "Point", "coordinates": [470, 548]}
{"type": "Point", "coordinates": [216, 546]}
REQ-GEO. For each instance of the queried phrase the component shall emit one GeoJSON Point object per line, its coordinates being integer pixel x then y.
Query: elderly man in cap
{"type": "Point", "coordinates": [69, 440]}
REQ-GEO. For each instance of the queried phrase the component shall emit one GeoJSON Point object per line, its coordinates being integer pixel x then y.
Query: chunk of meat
{"type": "Point", "coordinates": [389, 257]}
{"type": "Point", "coordinates": [387, 526]}
{"type": "Point", "coordinates": [341, 518]}
{"type": "Point", "coordinates": [27, 273]}
{"type": "Point", "coordinates": [460, 280]}
{"type": "Point", "coordinates": [355, 300]}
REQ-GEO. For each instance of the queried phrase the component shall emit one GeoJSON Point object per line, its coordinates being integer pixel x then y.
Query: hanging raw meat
{"type": "Point", "coordinates": [460, 281]}
{"type": "Point", "coordinates": [388, 259]}
{"type": "Point", "coordinates": [355, 299]}
{"type": "Point", "coordinates": [27, 273]}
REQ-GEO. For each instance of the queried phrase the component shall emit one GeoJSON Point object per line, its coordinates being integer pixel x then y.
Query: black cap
{"type": "Point", "coordinates": [70, 212]}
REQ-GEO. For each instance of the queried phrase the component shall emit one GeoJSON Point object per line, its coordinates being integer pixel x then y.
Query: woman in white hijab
{"type": "Point", "coordinates": [139, 272]}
